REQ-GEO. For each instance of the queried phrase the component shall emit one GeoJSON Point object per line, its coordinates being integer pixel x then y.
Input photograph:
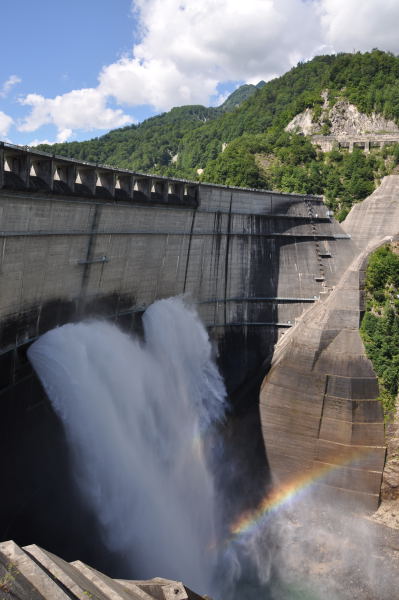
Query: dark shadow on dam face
{"type": "Point", "coordinates": [245, 353]}
{"type": "Point", "coordinates": [41, 504]}
{"type": "Point", "coordinates": [39, 500]}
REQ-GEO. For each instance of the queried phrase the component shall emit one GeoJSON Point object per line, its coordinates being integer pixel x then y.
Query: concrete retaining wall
{"type": "Point", "coordinates": [319, 409]}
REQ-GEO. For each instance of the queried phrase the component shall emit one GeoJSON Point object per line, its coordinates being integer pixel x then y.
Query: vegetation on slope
{"type": "Point", "coordinates": [259, 153]}
{"type": "Point", "coordinates": [370, 81]}
{"type": "Point", "coordinates": [143, 147]}
{"type": "Point", "coordinates": [291, 163]}
{"type": "Point", "coordinates": [240, 95]}
{"type": "Point", "coordinates": [380, 324]}
{"type": "Point", "coordinates": [151, 145]}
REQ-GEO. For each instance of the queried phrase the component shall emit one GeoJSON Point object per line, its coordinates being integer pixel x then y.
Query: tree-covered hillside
{"type": "Point", "coordinates": [291, 163]}
{"type": "Point", "coordinates": [144, 147]}
{"type": "Point", "coordinates": [153, 144]}
{"type": "Point", "coordinates": [259, 153]}
{"type": "Point", "coordinates": [370, 81]}
{"type": "Point", "coordinates": [240, 95]}
{"type": "Point", "coordinates": [380, 324]}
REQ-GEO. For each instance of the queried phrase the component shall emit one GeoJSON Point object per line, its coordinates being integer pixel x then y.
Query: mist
{"type": "Point", "coordinates": [143, 420]}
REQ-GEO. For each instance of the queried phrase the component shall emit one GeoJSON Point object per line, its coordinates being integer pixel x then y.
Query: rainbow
{"type": "Point", "coordinates": [289, 491]}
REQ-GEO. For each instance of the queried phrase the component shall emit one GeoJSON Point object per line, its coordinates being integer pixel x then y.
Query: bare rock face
{"type": "Point", "coordinates": [344, 118]}
{"type": "Point", "coordinates": [390, 483]}
{"type": "Point", "coordinates": [303, 123]}
{"type": "Point", "coordinates": [388, 511]}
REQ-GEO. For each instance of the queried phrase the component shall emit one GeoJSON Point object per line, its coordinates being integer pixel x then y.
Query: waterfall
{"type": "Point", "coordinates": [137, 416]}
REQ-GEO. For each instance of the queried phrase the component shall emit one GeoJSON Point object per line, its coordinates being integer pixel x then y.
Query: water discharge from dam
{"type": "Point", "coordinates": [142, 419]}
{"type": "Point", "coordinates": [138, 416]}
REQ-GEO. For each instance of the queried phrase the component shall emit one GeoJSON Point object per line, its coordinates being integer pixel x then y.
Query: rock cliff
{"type": "Point", "coordinates": [342, 118]}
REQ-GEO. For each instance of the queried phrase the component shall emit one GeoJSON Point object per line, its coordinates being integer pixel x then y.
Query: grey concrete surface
{"type": "Point", "coordinates": [31, 573]}
{"type": "Point", "coordinates": [248, 258]}
{"type": "Point", "coordinates": [82, 240]}
{"type": "Point", "coordinates": [318, 404]}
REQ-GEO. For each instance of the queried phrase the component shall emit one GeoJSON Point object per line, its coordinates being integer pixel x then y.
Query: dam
{"type": "Point", "coordinates": [82, 240]}
{"type": "Point", "coordinates": [85, 240]}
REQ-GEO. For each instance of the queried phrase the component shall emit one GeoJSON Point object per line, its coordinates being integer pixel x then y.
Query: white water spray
{"type": "Point", "coordinates": [135, 416]}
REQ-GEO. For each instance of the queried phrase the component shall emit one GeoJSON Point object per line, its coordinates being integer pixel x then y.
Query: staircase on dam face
{"type": "Point", "coordinates": [31, 573]}
{"type": "Point", "coordinates": [319, 402]}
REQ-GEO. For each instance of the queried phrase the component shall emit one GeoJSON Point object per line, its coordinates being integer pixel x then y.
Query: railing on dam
{"type": "Point", "coordinates": [25, 169]}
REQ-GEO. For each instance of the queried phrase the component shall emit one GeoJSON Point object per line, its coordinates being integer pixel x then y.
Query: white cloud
{"type": "Point", "coordinates": [62, 136]}
{"type": "Point", "coordinates": [5, 123]}
{"type": "Point", "coordinates": [186, 48]}
{"type": "Point", "coordinates": [350, 25]}
{"type": "Point", "coordinates": [37, 142]}
{"type": "Point", "coordinates": [8, 84]}
{"type": "Point", "coordinates": [78, 109]}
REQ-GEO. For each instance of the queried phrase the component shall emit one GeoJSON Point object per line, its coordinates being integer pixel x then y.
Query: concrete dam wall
{"type": "Point", "coordinates": [319, 403]}
{"type": "Point", "coordinates": [251, 260]}
{"type": "Point", "coordinates": [81, 240]}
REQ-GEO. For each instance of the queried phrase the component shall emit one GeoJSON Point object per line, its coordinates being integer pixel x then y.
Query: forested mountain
{"type": "Point", "coordinates": [380, 324]}
{"type": "Point", "coordinates": [153, 144]}
{"type": "Point", "coordinates": [240, 95]}
{"type": "Point", "coordinates": [259, 152]}
{"type": "Point", "coordinates": [144, 147]}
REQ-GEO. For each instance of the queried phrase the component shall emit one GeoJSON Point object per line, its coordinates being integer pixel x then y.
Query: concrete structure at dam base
{"type": "Point", "coordinates": [80, 240]}
{"type": "Point", "coordinates": [34, 574]}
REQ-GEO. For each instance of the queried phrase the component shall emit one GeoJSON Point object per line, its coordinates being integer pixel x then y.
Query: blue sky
{"type": "Point", "coordinates": [75, 69]}
{"type": "Point", "coordinates": [54, 47]}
